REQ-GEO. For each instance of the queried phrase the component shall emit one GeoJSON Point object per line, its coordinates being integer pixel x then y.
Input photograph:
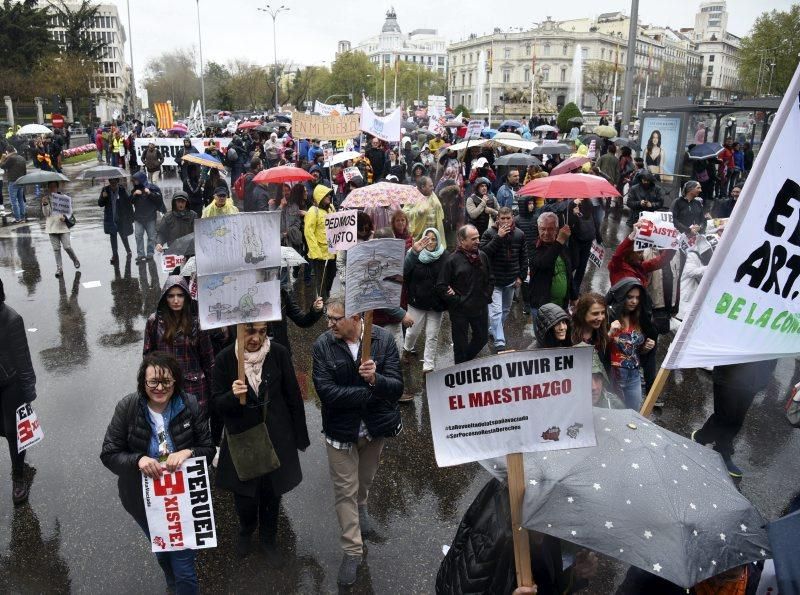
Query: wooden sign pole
{"type": "Point", "coordinates": [655, 392]}
{"type": "Point", "coordinates": [240, 330]}
{"type": "Point", "coordinates": [322, 281]}
{"type": "Point", "coordinates": [522, 545]}
{"type": "Point", "coordinates": [366, 341]}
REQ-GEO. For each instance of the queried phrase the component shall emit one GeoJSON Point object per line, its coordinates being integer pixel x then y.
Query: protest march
{"type": "Point", "coordinates": [465, 337]}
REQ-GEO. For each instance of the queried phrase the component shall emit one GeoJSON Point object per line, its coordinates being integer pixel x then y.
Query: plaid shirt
{"type": "Point", "coordinates": [194, 354]}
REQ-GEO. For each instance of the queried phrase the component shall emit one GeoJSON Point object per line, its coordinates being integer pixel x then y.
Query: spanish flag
{"type": "Point", "coordinates": [164, 115]}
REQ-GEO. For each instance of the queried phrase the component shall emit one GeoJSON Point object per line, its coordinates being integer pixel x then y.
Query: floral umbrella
{"type": "Point", "coordinates": [382, 194]}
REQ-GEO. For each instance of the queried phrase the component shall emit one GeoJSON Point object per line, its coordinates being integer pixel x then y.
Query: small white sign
{"type": "Point", "coordinates": [61, 204]}
{"type": "Point", "coordinates": [658, 230]}
{"type": "Point", "coordinates": [29, 430]}
{"type": "Point", "coordinates": [350, 173]}
{"type": "Point", "coordinates": [91, 284]}
{"type": "Point", "coordinates": [340, 230]}
{"type": "Point", "coordinates": [597, 254]}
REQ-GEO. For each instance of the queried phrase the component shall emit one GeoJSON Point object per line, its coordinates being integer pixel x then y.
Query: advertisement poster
{"type": "Point", "coordinates": [524, 401]}
{"type": "Point", "coordinates": [661, 143]}
{"type": "Point", "coordinates": [179, 511]}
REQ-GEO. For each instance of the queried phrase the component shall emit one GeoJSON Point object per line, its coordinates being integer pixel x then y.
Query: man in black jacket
{"type": "Point", "coordinates": [466, 285]}
{"type": "Point", "coordinates": [359, 411]}
{"type": "Point", "coordinates": [687, 211]}
{"type": "Point", "coordinates": [551, 269]}
{"type": "Point", "coordinates": [256, 196]}
{"type": "Point", "coordinates": [147, 201]}
{"type": "Point", "coordinates": [504, 244]}
{"type": "Point", "coordinates": [647, 195]}
{"type": "Point", "coordinates": [377, 158]}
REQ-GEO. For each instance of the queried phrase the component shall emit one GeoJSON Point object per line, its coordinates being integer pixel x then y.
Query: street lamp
{"type": "Point", "coordinates": [202, 75]}
{"type": "Point", "coordinates": [274, 12]}
{"type": "Point", "coordinates": [771, 72]}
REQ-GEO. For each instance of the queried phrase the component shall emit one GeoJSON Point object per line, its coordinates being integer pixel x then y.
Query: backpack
{"type": "Point", "coordinates": [240, 185]}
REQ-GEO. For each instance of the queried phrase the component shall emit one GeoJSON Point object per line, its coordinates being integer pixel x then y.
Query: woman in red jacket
{"type": "Point", "coordinates": [626, 262]}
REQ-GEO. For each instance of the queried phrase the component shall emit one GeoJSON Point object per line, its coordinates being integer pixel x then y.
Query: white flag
{"type": "Point", "coordinates": [385, 128]}
{"type": "Point", "coordinates": [746, 308]}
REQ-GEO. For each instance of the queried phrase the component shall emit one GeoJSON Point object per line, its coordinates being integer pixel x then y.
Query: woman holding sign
{"type": "Point", "coordinates": [153, 431]}
{"type": "Point", "coordinates": [57, 225]}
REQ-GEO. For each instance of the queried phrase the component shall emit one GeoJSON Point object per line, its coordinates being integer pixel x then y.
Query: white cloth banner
{"type": "Point", "coordinates": [169, 147]}
{"type": "Point", "coordinates": [340, 230]}
{"type": "Point", "coordinates": [325, 109]}
{"type": "Point", "coordinates": [29, 430]}
{"type": "Point", "coordinates": [524, 401]}
{"type": "Point", "coordinates": [179, 511]}
{"type": "Point", "coordinates": [385, 128]}
{"type": "Point", "coordinates": [746, 308]}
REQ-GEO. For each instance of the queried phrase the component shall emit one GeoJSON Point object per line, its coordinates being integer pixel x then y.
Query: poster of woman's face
{"type": "Point", "coordinates": [660, 150]}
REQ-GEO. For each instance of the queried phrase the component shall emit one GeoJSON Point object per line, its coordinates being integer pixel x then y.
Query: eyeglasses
{"type": "Point", "coordinates": [165, 384]}
{"type": "Point", "coordinates": [334, 319]}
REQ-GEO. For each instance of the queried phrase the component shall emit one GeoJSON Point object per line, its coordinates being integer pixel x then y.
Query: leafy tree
{"type": "Point", "coordinates": [310, 84]}
{"type": "Point", "coordinates": [414, 81]}
{"type": "Point", "coordinates": [172, 76]}
{"type": "Point", "coordinates": [598, 80]}
{"type": "Point", "coordinates": [462, 109]}
{"type": "Point", "coordinates": [249, 85]}
{"type": "Point", "coordinates": [25, 43]}
{"type": "Point", "coordinates": [568, 111]}
{"type": "Point", "coordinates": [218, 81]}
{"type": "Point", "coordinates": [774, 37]}
{"type": "Point", "coordinates": [353, 73]}
{"type": "Point", "coordinates": [77, 20]}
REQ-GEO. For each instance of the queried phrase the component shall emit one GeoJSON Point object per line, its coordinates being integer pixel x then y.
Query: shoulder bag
{"type": "Point", "coordinates": [252, 451]}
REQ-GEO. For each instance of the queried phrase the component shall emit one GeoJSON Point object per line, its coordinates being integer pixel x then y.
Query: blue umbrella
{"type": "Point", "coordinates": [488, 132]}
{"type": "Point", "coordinates": [204, 159]}
{"type": "Point", "coordinates": [705, 151]}
{"type": "Point", "coordinates": [513, 124]}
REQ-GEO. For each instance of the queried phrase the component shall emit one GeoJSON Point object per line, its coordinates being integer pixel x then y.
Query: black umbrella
{"type": "Point", "coordinates": [106, 172]}
{"type": "Point", "coordinates": [705, 151]}
{"type": "Point", "coordinates": [625, 142]}
{"type": "Point", "coordinates": [554, 149]}
{"type": "Point", "coordinates": [268, 128]}
{"type": "Point", "coordinates": [410, 126]}
{"type": "Point", "coordinates": [517, 159]}
{"type": "Point", "coordinates": [182, 246]}
{"type": "Point", "coordinates": [587, 139]}
{"type": "Point", "coordinates": [576, 120]}
{"type": "Point", "coordinates": [41, 177]}
{"type": "Point", "coordinates": [283, 118]}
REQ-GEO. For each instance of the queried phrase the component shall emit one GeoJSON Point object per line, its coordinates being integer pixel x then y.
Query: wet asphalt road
{"type": "Point", "coordinates": [74, 535]}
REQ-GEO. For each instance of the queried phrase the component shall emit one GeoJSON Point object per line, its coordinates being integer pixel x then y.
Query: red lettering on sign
{"type": "Point", "coordinates": [169, 484]}
{"type": "Point", "coordinates": [24, 431]}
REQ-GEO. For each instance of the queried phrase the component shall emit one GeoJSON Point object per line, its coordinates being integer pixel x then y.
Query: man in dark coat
{"type": "Point", "coordinates": [466, 285]}
{"type": "Point", "coordinates": [687, 211]}
{"type": "Point", "coordinates": [551, 270]}
{"type": "Point", "coordinates": [276, 398]}
{"type": "Point", "coordinates": [359, 411]}
{"type": "Point", "coordinates": [378, 159]}
{"type": "Point", "coordinates": [147, 202]}
{"type": "Point", "coordinates": [647, 195]}
{"type": "Point", "coordinates": [117, 216]}
{"type": "Point", "coordinates": [183, 166]}
{"type": "Point", "coordinates": [526, 221]}
{"type": "Point", "coordinates": [17, 387]}
{"type": "Point", "coordinates": [177, 223]}
{"type": "Point", "coordinates": [504, 244]}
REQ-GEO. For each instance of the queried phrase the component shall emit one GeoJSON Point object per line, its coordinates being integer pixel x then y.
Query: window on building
{"type": "Point", "coordinates": [711, 58]}
{"type": "Point", "coordinates": [506, 75]}
{"type": "Point", "coordinates": [528, 49]}
{"type": "Point", "coordinates": [547, 49]}
{"type": "Point", "coordinates": [564, 50]}
{"type": "Point", "coordinates": [602, 53]}
{"type": "Point", "coordinates": [506, 53]}
{"type": "Point", "coordinates": [454, 80]}
{"type": "Point", "coordinates": [470, 57]}
{"type": "Point", "coordinates": [469, 99]}
{"type": "Point", "coordinates": [463, 79]}
{"type": "Point", "coordinates": [710, 69]}
{"type": "Point", "coordinates": [563, 74]}
{"type": "Point", "coordinates": [485, 99]}
{"type": "Point", "coordinates": [585, 53]}
{"type": "Point", "coordinates": [440, 61]}
{"type": "Point", "coordinates": [469, 79]}
{"type": "Point", "coordinates": [527, 75]}
{"type": "Point", "coordinates": [708, 81]}
{"type": "Point", "coordinates": [546, 74]}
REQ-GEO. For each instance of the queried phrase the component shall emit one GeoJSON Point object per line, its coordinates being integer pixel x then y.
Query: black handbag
{"type": "Point", "coordinates": [70, 221]}
{"type": "Point", "coordinates": [252, 452]}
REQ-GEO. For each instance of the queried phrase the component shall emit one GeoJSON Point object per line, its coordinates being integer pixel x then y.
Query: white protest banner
{"type": "Point", "coordinates": [474, 128]}
{"type": "Point", "coordinates": [170, 261]}
{"type": "Point", "coordinates": [340, 229]}
{"type": "Point", "coordinates": [523, 401]}
{"type": "Point", "coordinates": [179, 511]}
{"type": "Point", "coordinates": [385, 128]}
{"type": "Point", "coordinates": [374, 275]}
{"type": "Point", "coordinates": [597, 254]}
{"type": "Point", "coordinates": [29, 430]}
{"type": "Point", "coordinates": [324, 127]}
{"type": "Point", "coordinates": [169, 147]}
{"type": "Point", "coordinates": [237, 242]}
{"type": "Point", "coordinates": [746, 307]}
{"type": "Point", "coordinates": [657, 230]}
{"type": "Point", "coordinates": [324, 109]}
{"type": "Point", "coordinates": [351, 172]}
{"type": "Point", "coordinates": [61, 204]}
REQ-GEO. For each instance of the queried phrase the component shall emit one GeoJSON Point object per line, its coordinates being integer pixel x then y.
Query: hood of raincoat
{"type": "Point", "coordinates": [176, 196]}
{"type": "Point", "coordinates": [615, 298]}
{"type": "Point", "coordinates": [482, 180]}
{"type": "Point", "coordinates": [171, 282]}
{"type": "Point", "coordinates": [320, 192]}
{"type": "Point", "coordinates": [549, 315]}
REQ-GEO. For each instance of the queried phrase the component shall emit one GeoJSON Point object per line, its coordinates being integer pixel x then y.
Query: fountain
{"type": "Point", "coordinates": [576, 83]}
{"type": "Point", "coordinates": [480, 78]}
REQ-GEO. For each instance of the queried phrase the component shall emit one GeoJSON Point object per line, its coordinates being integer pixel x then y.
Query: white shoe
{"type": "Point", "coordinates": [215, 460]}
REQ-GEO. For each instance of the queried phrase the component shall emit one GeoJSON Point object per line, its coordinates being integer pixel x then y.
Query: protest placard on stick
{"type": "Point", "coordinates": [340, 230]}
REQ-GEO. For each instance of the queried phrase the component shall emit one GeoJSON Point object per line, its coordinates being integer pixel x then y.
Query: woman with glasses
{"type": "Point", "coordinates": [175, 329]}
{"type": "Point", "coordinates": [272, 397]}
{"type": "Point", "coordinates": [152, 431]}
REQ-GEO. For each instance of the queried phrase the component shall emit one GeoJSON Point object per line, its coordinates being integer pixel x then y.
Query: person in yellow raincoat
{"type": "Point", "coordinates": [426, 213]}
{"type": "Point", "coordinates": [221, 205]}
{"type": "Point", "coordinates": [323, 261]}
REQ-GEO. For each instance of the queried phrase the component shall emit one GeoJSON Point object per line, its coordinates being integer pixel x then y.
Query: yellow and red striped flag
{"type": "Point", "coordinates": [164, 115]}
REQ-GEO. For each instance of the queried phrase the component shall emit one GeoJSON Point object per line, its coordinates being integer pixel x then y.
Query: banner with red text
{"type": "Point", "coordinates": [524, 401]}
{"type": "Point", "coordinates": [179, 512]}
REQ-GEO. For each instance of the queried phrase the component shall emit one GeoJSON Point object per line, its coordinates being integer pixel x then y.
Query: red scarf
{"type": "Point", "coordinates": [474, 258]}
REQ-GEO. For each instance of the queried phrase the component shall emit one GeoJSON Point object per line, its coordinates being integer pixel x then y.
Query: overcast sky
{"type": "Point", "coordinates": [309, 31]}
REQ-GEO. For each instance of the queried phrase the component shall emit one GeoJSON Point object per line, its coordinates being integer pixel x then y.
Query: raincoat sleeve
{"type": "Point", "coordinates": [617, 262]}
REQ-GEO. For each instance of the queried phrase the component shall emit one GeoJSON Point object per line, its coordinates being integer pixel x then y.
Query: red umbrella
{"type": "Point", "coordinates": [247, 125]}
{"type": "Point", "coordinates": [281, 174]}
{"type": "Point", "coordinates": [568, 165]}
{"type": "Point", "coordinates": [569, 186]}
{"type": "Point", "coordinates": [602, 112]}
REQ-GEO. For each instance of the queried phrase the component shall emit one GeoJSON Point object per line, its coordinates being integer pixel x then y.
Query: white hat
{"type": "Point", "coordinates": [479, 162]}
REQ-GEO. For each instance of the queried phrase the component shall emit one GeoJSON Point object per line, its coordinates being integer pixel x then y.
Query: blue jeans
{"type": "Point", "coordinates": [179, 568]}
{"type": "Point", "coordinates": [502, 297]}
{"type": "Point", "coordinates": [138, 230]}
{"type": "Point", "coordinates": [629, 383]}
{"type": "Point", "coordinates": [16, 196]}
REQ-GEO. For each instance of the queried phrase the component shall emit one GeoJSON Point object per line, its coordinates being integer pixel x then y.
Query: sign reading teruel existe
{"type": "Point", "coordinates": [747, 307]}
{"type": "Point", "coordinates": [523, 401]}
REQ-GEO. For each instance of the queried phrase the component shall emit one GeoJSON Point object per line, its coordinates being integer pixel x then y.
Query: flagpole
{"type": "Point", "coordinates": [491, 71]}
{"type": "Point", "coordinates": [646, 84]}
{"type": "Point", "coordinates": [533, 79]}
{"type": "Point", "coordinates": [394, 97]}
{"type": "Point", "coordinates": [383, 111]}
{"type": "Point", "coordinates": [614, 99]}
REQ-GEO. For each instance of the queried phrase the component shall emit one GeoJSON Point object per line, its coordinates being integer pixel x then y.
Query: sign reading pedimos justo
{"type": "Point", "coordinates": [747, 307]}
{"type": "Point", "coordinates": [522, 401]}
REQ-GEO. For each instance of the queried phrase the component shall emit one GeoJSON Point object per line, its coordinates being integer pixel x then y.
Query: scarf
{"type": "Point", "coordinates": [474, 258]}
{"type": "Point", "coordinates": [426, 256]}
{"type": "Point", "coordinates": [253, 364]}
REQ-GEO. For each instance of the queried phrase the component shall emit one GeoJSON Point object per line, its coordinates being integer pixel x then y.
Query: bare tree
{"type": "Point", "coordinates": [598, 80]}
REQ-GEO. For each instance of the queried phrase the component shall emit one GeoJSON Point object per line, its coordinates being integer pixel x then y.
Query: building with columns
{"type": "Point", "coordinates": [112, 88]}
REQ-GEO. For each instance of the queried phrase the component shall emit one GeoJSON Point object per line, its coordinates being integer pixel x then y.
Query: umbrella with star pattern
{"type": "Point", "coordinates": [645, 496]}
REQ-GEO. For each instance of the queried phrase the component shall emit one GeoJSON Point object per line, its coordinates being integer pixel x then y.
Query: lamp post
{"type": "Point", "coordinates": [771, 72]}
{"type": "Point", "coordinates": [274, 12]}
{"type": "Point", "coordinates": [130, 46]}
{"type": "Point", "coordinates": [202, 75]}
